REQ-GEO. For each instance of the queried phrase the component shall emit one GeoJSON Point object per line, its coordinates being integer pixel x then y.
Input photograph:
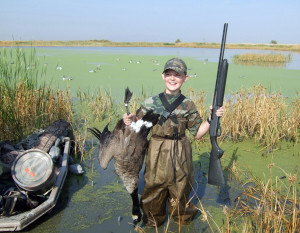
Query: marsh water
{"type": "Point", "coordinates": [203, 54]}
{"type": "Point", "coordinates": [97, 200]}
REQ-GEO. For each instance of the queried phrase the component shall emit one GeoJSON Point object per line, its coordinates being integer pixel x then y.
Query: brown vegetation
{"type": "Point", "coordinates": [266, 117]}
{"type": "Point", "coordinates": [107, 43]}
{"type": "Point", "coordinates": [270, 206]}
{"type": "Point", "coordinates": [262, 59]}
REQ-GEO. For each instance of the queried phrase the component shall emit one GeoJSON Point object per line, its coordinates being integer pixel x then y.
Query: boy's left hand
{"type": "Point", "coordinates": [219, 112]}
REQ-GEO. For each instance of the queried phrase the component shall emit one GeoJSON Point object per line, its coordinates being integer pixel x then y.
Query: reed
{"type": "Point", "coordinates": [79, 127]}
{"type": "Point", "coordinates": [91, 109]}
{"type": "Point", "coordinates": [270, 206]}
{"type": "Point", "coordinates": [24, 104]}
{"type": "Point", "coordinates": [199, 100]}
{"type": "Point", "coordinates": [101, 105]}
{"type": "Point", "coordinates": [261, 59]}
{"type": "Point", "coordinates": [135, 103]}
{"type": "Point", "coordinates": [266, 117]}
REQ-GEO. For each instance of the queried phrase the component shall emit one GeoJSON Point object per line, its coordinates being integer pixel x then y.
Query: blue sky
{"type": "Point", "coordinates": [251, 21]}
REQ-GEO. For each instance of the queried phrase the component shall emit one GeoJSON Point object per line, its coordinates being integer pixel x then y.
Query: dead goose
{"type": "Point", "coordinates": [127, 145]}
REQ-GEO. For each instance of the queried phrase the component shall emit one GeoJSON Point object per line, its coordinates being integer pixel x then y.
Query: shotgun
{"type": "Point", "coordinates": [215, 172]}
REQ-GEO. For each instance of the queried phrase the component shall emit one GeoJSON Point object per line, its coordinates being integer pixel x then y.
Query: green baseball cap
{"type": "Point", "coordinates": [177, 65]}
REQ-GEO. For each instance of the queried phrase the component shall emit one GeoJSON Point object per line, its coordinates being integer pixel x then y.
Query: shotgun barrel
{"type": "Point", "coordinates": [215, 172]}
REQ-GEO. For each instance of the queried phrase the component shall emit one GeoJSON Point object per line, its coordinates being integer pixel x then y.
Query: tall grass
{"type": "Point", "coordinates": [267, 206]}
{"type": "Point", "coordinates": [266, 117]}
{"type": "Point", "coordinates": [262, 59]}
{"type": "Point", "coordinates": [199, 100]}
{"type": "Point", "coordinates": [98, 106]}
{"type": "Point", "coordinates": [26, 105]}
{"type": "Point", "coordinates": [90, 110]}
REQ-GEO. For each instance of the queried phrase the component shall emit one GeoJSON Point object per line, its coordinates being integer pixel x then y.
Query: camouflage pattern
{"type": "Point", "coordinates": [177, 65]}
{"type": "Point", "coordinates": [169, 170]}
{"type": "Point", "coordinates": [185, 112]}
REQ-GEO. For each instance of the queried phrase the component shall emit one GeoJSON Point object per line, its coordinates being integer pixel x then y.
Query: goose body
{"type": "Point", "coordinates": [127, 145]}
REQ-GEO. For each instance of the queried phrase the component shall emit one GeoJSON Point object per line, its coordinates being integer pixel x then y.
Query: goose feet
{"type": "Point", "coordinates": [136, 212]}
{"type": "Point", "coordinates": [136, 215]}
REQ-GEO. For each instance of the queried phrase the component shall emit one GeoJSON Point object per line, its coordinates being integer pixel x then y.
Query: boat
{"type": "Point", "coordinates": [20, 220]}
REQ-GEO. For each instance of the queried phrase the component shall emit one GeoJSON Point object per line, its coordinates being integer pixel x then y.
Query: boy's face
{"type": "Point", "coordinates": [173, 81]}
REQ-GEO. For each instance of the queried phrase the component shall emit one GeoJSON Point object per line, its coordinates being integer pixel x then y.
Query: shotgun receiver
{"type": "Point", "coordinates": [215, 172]}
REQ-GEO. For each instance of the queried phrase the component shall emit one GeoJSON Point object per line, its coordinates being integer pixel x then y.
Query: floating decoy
{"type": "Point", "coordinates": [55, 150]}
{"type": "Point", "coordinates": [67, 78]}
{"type": "Point", "coordinates": [193, 75]}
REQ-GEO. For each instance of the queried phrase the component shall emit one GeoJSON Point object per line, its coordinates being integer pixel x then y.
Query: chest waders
{"type": "Point", "coordinates": [167, 181]}
{"type": "Point", "coordinates": [169, 113]}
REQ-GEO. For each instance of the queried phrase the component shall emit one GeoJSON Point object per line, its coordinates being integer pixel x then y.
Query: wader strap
{"type": "Point", "coordinates": [175, 151]}
{"type": "Point", "coordinates": [169, 108]}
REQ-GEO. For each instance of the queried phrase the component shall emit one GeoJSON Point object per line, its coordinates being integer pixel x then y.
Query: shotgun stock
{"type": "Point", "coordinates": [215, 172]}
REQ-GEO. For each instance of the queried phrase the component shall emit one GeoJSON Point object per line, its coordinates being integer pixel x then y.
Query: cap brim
{"type": "Point", "coordinates": [176, 69]}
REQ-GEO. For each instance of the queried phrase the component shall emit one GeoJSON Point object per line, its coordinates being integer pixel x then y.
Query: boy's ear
{"type": "Point", "coordinates": [186, 78]}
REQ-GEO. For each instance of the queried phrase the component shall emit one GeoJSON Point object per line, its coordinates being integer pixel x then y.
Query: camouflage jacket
{"type": "Point", "coordinates": [186, 113]}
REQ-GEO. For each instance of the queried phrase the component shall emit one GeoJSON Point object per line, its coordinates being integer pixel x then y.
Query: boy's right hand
{"type": "Point", "coordinates": [128, 118]}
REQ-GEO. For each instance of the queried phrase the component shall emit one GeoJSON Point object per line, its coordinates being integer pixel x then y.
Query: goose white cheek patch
{"type": "Point", "coordinates": [138, 125]}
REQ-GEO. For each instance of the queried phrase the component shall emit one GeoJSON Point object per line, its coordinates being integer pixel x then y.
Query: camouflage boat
{"type": "Point", "coordinates": [40, 190]}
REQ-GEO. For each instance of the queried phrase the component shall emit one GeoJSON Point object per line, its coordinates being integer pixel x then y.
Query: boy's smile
{"type": "Point", "coordinates": [173, 81]}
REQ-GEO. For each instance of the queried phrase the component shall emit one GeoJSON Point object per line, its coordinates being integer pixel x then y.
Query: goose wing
{"type": "Point", "coordinates": [132, 153]}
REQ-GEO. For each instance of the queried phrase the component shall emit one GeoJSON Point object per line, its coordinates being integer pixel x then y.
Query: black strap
{"type": "Point", "coordinates": [169, 108]}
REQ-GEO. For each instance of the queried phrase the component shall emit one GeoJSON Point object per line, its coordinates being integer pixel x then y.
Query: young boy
{"type": "Point", "coordinates": [169, 174]}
